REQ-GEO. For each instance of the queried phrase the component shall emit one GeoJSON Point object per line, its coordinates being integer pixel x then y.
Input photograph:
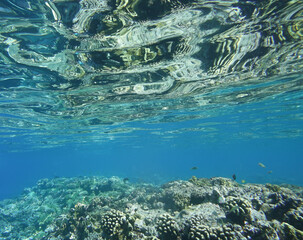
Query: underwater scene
{"type": "Point", "coordinates": [151, 119]}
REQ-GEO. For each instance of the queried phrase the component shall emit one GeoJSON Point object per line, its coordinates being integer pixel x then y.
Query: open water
{"type": "Point", "coordinates": [150, 90]}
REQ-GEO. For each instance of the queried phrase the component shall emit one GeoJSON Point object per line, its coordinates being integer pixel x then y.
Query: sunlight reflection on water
{"type": "Point", "coordinates": [89, 68]}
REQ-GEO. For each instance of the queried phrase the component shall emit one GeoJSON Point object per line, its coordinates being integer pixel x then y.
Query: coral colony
{"type": "Point", "coordinates": [109, 208]}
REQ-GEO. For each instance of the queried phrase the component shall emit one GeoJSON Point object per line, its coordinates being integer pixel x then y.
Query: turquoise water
{"type": "Point", "coordinates": [150, 89]}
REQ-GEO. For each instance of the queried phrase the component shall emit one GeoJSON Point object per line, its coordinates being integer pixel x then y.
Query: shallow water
{"type": "Point", "coordinates": [149, 89]}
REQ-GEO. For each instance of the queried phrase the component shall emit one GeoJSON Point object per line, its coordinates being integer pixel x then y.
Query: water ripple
{"type": "Point", "coordinates": [69, 65]}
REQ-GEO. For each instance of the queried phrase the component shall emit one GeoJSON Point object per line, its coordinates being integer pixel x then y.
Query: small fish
{"type": "Point", "coordinates": [194, 168]}
{"type": "Point", "coordinates": [125, 180]}
{"type": "Point", "coordinates": [269, 172]}
{"type": "Point", "coordinates": [234, 177]}
{"type": "Point", "coordinates": [261, 165]}
{"type": "Point", "coordinates": [243, 181]}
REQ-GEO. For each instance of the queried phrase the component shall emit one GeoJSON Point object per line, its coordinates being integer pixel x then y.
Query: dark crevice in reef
{"type": "Point", "coordinates": [111, 208]}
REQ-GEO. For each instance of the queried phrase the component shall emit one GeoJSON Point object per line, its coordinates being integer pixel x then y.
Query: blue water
{"type": "Point", "coordinates": [156, 161]}
{"type": "Point", "coordinates": [101, 88]}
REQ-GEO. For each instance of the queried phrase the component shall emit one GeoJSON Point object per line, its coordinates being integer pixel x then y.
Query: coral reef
{"type": "Point", "coordinates": [168, 228]}
{"type": "Point", "coordinates": [99, 208]}
{"type": "Point", "coordinates": [238, 210]}
{"type": "Point", "coordinates": [211, 233]}
{"type": "Point", "coordinates": [115, 225]}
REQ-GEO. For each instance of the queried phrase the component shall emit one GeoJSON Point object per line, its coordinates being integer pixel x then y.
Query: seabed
{"type": "Point", "coordinates": [91, 208]}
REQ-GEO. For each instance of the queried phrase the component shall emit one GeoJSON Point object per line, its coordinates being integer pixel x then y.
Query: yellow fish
{"type": "Point", "coordinates": [243, 181]}
{"type": "Point", "coordinates": [261, 165]}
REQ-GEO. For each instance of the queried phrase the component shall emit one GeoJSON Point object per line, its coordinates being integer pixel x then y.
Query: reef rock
{"type": "Point", "coordinates": [110, 208]}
